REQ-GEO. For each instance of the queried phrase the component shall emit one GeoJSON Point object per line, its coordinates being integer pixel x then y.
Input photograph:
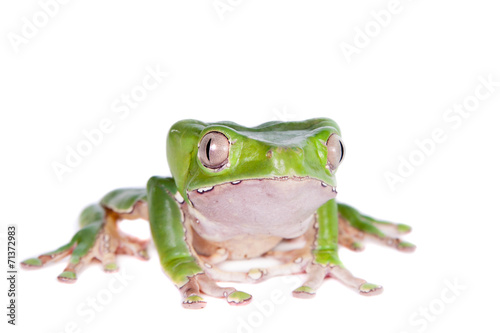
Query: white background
{"type": "Point", "coordinates": [264, 60]}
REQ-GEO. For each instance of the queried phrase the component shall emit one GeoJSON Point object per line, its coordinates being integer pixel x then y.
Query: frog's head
{"type": "Point", "coordinates": [298, 158]}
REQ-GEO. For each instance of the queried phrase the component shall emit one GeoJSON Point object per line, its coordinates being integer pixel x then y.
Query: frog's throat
{"type": "Point", "coordinates": [270, 206]}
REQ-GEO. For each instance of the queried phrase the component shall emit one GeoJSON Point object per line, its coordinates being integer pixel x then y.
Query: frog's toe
{"type": "Point", "coordinates": [202, 283]}
{"type": "Point", "coordinates": [238, 298]}
{"type": "Point", "coordinates": [365, 227]}
{"type": "Point", "coordinates": [194, 302]}
{"type": "Point", "coordinates": [406, 246]}
{"type": "Point", "coordinates": [32, 263]}
{"type": "Point", "coordinates": [315, 275]}
{"type": "Point", "coordinates": [256, 274]}
{"type": "Point", "coordinates": [304, 292]}
{"type": "Point", "coordinates": [370, 289]}
{"type": "Point", "coordinates": [111, 267]}
{"type": "Point", "coordinates": [68, 276]}
{"type": "Point", "coordinates": [396, 243]}
{"type": "Point", "coordinates": [402, 228]}
{"type": "Point", "coordinates": [395, 228]}
{"type": "Point", "coordinates": [42, 260]}
{"type": "Point", "coordinates": [360, 285]}
{"type": "Point", "coordinates": [209, 287]}
{"type": "Point", "coordinates": [190, 293]}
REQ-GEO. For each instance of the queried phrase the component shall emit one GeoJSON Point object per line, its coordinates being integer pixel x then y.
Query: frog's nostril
{"type": "Point", "coordinates": [269, 154]}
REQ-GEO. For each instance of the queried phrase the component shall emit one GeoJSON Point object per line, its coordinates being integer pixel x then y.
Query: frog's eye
{"type": "Point", "coordinates": [336, 151]}
{"type": "Point", "coordinates": [213, 150]}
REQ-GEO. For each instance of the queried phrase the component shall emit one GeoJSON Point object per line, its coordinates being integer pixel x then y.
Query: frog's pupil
{"type": "Point", "coordinates": [341, 151]}
{"type": "Point", "coordinates": [208, 148]}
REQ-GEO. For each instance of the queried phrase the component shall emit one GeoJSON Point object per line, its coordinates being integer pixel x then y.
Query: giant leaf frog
{"type": "Point", "coordinates": [235, 193]}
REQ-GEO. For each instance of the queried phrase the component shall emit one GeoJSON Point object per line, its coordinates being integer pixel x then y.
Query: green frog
{"type": "Point", "coordinates": [235, 193]}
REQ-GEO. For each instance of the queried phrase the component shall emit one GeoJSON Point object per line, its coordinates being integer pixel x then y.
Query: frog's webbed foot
{"type": "Point", "coordinates": [355, 227]}
{"type": "Point", "coordinates": [202, 283]}
{"type": "Point", "coordinates": [99, 239]}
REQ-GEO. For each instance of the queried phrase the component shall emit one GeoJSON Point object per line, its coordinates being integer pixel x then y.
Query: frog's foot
{"type": "Point", "coordinates": [316, 274]}
{"type": "Point", "coordinates": [202, 283]}
{"type": "Point", "coordinates": [360, 285]}
{"type": "Point", "coordinates": [99, 239]}
{"type": "Point", "coordinates": [355, 227]}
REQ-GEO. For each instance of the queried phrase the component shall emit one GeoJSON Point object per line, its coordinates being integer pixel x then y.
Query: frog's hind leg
{"type": "Point", "coordinates": [99, 237]}
{"type": "Point", "coordinates": [92, 220]}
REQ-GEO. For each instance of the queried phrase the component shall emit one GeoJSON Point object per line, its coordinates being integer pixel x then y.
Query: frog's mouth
{"type": "Point", "coordinates": [269, 206]}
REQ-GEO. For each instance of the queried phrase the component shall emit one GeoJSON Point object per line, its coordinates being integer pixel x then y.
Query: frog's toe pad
{"type": "Point", "coordinates": [67, 277]}
{"type": "Point", "coordinates": [111, 267]}
{"type": "Point", "coordinates": [255, 274]}
{"type": "Point", "coordinates": [32, 263]}
{"type": "Point", "coordinates": [194, 302]}
{"type": "Point", "coordinates": [143, 254]}
{"type": "Point", "coordinates": [403, 228]}
{"type": "Point", "coordinates": [370, 289]}
{"type": "Point", "coordinates": [357, 246]}
{"type": "Point", "coordinates": [304, 292]}
{"type": "Point", "coordinates": [406, 246]}
{"type": "Point", "coordinates": [238, 298]}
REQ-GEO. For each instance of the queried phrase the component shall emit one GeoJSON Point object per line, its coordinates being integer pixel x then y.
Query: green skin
{"type": "Point", "coordinates": [274, 150]}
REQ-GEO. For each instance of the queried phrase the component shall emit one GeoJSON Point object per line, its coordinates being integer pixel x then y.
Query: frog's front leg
{"type": "Point", "coordinates": [326, 261]}
{"type": "Point", "coordinates": [99, 237]}
{"type": "Point", "coordinates": [354, 227]}
{"type": "Point", "coordinates": [174, 244]}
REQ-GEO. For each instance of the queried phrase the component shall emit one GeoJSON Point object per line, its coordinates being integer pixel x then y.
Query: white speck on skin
{"type": "Point", "coordinates": [179, 198]}
{"type": "Point", "coordinates": [204, 189]}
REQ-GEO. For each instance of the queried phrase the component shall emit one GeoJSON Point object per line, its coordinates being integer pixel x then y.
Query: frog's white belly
{"type": "Point", "coordinates": [257, 208]}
